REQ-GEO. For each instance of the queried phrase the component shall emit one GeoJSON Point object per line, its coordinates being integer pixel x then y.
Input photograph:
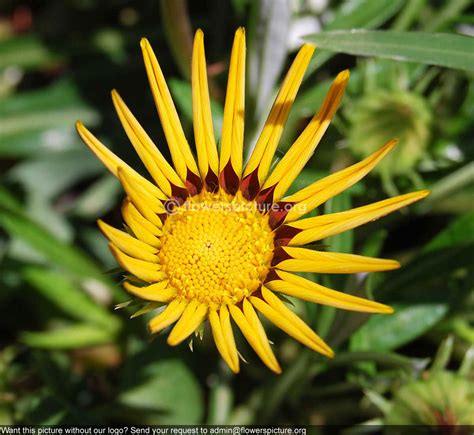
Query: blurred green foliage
{"type": "Point", "coordinates": [67, 357]}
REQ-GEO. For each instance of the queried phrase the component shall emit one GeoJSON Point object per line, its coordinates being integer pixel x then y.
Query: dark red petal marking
{"type": "Point", "coordinates": [272, 276]}
{"type": "Point", "coordinates": [250, 185]}
{"type": "Point", "coordinates": [229, 180]}
{"type": "Point", "coordinates": [211, 181]}
{"type": "Point", "coordinates": [278, 213]}
{"type": "Point", "coordinates": [284, 234]}
{"type": "Point", "coordinates": [280, 255]}
{"type": "Point", "coordinates": [265, 197]}
{"type": "Point", "coordinates": [163, 216]}
{"type": "Point", "coordinates": [193, 183]}
{"type": "Point", "coordinates": [179, 193]}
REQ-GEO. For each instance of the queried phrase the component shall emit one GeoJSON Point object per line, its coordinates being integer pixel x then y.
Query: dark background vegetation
{"type": "Point", "coordinates": [67, 357]}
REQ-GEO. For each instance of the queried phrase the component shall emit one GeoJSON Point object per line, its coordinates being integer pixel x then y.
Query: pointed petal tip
{"type": "Point", "coordinates": [199, 33]}
{"type": "Point", "coordinates": [343, 76]}
{"type": "Point", "coordinates": [385, 309]}
{"type": "Point", "coordinates": [234, 369]}
{"type": "Point", "coordinates": [330, 354]}
{"type": "Point", "coordinates": [172, 341]}
{"type": "Point", "coordinates": [275, 368]}
{"type": "Point", "coordinates": [393, 264]}
{"type": "Point", "coordinates": [144, 43]}
{"type": "Point", "coordinates": [423, 193]}
{"type": "Point", "coordinates": [417, 195]}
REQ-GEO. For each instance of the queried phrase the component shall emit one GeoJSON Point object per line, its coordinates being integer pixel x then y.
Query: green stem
{"type": "Point", "coordinates": [282, 386]}
{"type": "Point", "coordinates": [387, 182]}
{"type": "Point", "coordinates": [443, 356]}
{"type": "Point", "coordinates": [383, 358]}
{"type": "Point", "coordinates": [450, 184]}
{"type": "Point", "coordinates": [178, 31]}
{"type": "Point", "coordinates": [446, 14]}
{"type": "Point", "coordinates": [425, 80]}
{"type": "Point", "coordinates": [221, 399]}
{"type": "Point", "coordinates": [409, 15]}
{"type": "Point", "coordinates": [325, 320]}
{"type": "Point", "coordinates": [467, 364]}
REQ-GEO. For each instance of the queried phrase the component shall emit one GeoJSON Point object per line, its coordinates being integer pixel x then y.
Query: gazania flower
{"type": "Point", "coordinates": [216, 239]}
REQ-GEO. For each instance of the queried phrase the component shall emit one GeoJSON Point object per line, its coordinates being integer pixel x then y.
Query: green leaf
{"type": "Point", "coordinates": [64, 165]}
{"type": "Point", "coordinates": [167, 390]}
{"type": "Point", "coordinates": [99, 198]}
{"type": "Point", "coordinates": [42, 408]}
{"type": "Point", "coordinates": [366, 14]}
{"type": "Point", "coordinates": [62, 255]}
{"type": "Point", "coordinates": [57, 252]}
{"type": "Point", "coordinates": [69, 297]}
{"type": "Point", "coordinates": [426, 276]}
{"type": "Point", "coordinates": [344, 241]}
{"type": "Point", "coordinates": [363, 13]}
{"type": "Point", "coordinates": [27, 51]}
{"type": "Point", "coordinates": [374, 243]}
{"type": "Point", "coordinates": [451, 51]}
{"type": "Point", "coordinates": [43, 119]}
{"type": "Point", "coordinates": [69, 337]}
{"type": "Point", "coordinates": [459, 232]}
{"type": "Point", "coordinates": [388, 332]}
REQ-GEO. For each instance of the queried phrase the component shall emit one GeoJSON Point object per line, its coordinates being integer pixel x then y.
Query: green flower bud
{"type": "Point", "coordinates": [383, 115]}
{"type": "Point", "coordinates": [445, 398]}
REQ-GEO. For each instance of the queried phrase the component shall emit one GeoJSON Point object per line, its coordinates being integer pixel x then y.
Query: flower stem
{"type": "Point", "coordinates": [177, 26]}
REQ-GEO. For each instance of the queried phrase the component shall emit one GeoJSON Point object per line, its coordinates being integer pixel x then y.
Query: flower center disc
{"type": "Point", "coordinates": [216, 250]}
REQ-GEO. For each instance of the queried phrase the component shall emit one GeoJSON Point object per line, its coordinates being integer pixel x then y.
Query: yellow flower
{"type": "Point", "coordinates": [216, 238]}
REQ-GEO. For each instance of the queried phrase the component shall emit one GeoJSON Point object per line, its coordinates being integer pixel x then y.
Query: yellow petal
{"type": "Point", "coordinates": [156, 164]}
{"type": "Point", "coordinates": [158, 292]}
{"type": "Point", "coordinates": [149, 272]}
{"type": "Point", "coordinates": [256, 337]}
{"type": "Point", "coordinates": [202, 118]}
{"type": "Point", "coordinates": [301, 151]}
{"type": "Point", "coordinates": [192, 317]}
{"type": "Point", "coordinates": [257, 327]}
{"type": "Point", "coordinates": [289, 322]}
{"type": "Point", "coordinates": [233, 122]}
{"type": "Point", "coordinates": [319, 192]}
{"type": "Point", "coordinates": [112, 162]}
{"type": "Point", "coordinates": [180, 152]}
{"type": "Point", "coordinates": [307, 260]}
{"type": "Point", "coordinates": [284, 311]}
{"type": "Point", "coordinates": [168, 316]}
{"type": "Point", "coordinates": [218, 335]}
{"type": "Point", "coordinates": [302, 288]}
{"type": "Point", "coordinates": [128, 244]}
{"type": "Point", "coordinates": [229, 336]}
{"type": "Point", "coordinates": [320, 227]}
{"type": "Point", "coordinates": [141, 227]}
{"type": "Point", "coordinates": [148, 205]}
{"type": "Point", "coordinates": [267, 143]}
